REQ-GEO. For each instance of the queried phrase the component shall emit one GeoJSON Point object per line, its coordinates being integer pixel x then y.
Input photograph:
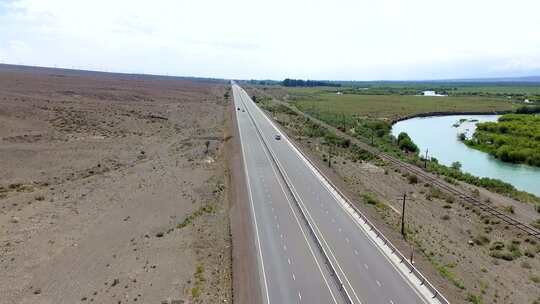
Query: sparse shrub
{"type": "Point", "coordinates": [445, 217]}
{"type": "Point", "coordinates": [474, 299]}
{"type": "Point", "coordinates": [195, 292]}
{"type": "Point", "coordinates": [481, 240]}
{"type": "Point", "coordinates": [504, 255]}
{"type": "Point", "coordinates": [526, 265]}
{"type": "Point", "coordinates": [509, 209]}
{"type": "Point", "coordinates": [528, 253]}
{"type": "Point", "coordinates": [368, 199]}
{"type": "Point", "coordinates": [39, 198]}
{"type": "Point", "coordinates": [413, 179]}
{"type": "Point", "coordinates": [450, 180]}
{"type": "Point", "coordinates": [434, 193]}
{"type": "Point", "coordinates": [498, 245]}
{"type": "Point", "coordinates": [514, 250]}
{"type": "Point", "coordinates": [535, 278]}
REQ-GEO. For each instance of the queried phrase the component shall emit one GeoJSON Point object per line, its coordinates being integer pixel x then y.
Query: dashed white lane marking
{"type": "Point", "coordinates": [356, 252]}
{"type": "Point", "coordinates": [289, 261]}
{"type": "Point", "coordinates": [366, 266]}
{"type": "Point", "coordinates": [333, 220]}
{"type": "Point", "coordinates": [339, 229]}
{"type": "Point", "coordinates": [272, 209]}
{"type": "Point", "coordinates": [293, 277]}
{"type": "Point", "coordinates": [281, 235]}
{"type": "Point", "coordinates": [391, 302]}
{"type": "Point", "coordinates": [347, 240]}
{"type": "Point", "coordinates": [378, 283]}
{"type": "Point", "coordinates": [284, 248]}
{"type": "Point", "coordinates": [326, 211]}
{"type": "Point", "coordinates": [299, 295]}
{"type": "Point", "coordinates": [277, 226]}
{"type": "Point", "coordinates": [275, 217]}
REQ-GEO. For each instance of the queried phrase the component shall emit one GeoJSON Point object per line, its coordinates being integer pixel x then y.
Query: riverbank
{"type": "Point", "coordinates": [514, 138]}
{"type": "Point", "coordinates": [439, 136]}
{"type": "Point", "coordinates": [448, 113]}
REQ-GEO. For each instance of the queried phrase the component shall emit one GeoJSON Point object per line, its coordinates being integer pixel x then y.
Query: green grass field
{"type": "Point", "coordinates": [390, 107]}
{"type": "Point", "coordinates": [500, 89]}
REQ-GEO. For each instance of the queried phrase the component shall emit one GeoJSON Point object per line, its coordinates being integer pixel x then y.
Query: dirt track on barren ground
{"type": "Point", "coordinates": [113, 188]}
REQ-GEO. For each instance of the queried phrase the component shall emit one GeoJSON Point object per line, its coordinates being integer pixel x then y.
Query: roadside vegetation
{"type": "Point", "coordinates": [368, 118]}
{"type": "Point", "coordinates": [514, 138]}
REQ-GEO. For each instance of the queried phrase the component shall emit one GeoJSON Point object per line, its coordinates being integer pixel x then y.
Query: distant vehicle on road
{"type": "Point", "coordinates": [238, 109]}
{"type": "Point", "coordinates": [277, 137]}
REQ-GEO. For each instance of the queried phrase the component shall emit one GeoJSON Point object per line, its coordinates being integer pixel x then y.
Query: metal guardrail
{"type": "Point", "coordinates": [318, 242]}
{"type": "Point", "coordinates": [423, 281]}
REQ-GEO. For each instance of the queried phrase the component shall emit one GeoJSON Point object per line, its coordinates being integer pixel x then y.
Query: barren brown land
{"type": "Point", "coordinates": [469, 256]}
{"type": "Point", "coordinates": [113, 188]}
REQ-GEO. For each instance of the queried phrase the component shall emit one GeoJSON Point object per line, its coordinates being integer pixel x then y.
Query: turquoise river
{"type": "Point", "coordinates": [439, 135]}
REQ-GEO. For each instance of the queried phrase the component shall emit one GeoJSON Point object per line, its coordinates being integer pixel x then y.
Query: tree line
{"type": "Point", "coordinates": [308, 83]}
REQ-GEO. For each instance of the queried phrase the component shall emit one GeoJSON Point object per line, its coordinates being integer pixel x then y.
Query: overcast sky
{"type": "Point", "coordinates": [333, 39]}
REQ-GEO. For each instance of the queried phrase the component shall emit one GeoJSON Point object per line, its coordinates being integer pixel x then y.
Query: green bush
{"type": "Point", "coordinates": [481, 240]}
{"type": "Point", "coordinates": [514, 138]}
{"type": "Point", "coordinates": [406, 143]}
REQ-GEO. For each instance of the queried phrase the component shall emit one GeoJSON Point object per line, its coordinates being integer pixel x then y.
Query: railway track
{"type": "Point", "coordinates": [529, 230]}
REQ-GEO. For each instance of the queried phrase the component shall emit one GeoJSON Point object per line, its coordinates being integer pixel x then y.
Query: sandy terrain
{"type": "Point", "coordinates": [453, 243]}
{"type": "Point", "coordinates": [113, 189]}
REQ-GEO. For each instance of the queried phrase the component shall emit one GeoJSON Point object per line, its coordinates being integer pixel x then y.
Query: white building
{"type": "Point", "coordinates": [432, 93]}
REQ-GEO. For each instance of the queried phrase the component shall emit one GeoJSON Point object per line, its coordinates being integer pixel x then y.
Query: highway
{"type": "Point", "coordinates": [309, 243]}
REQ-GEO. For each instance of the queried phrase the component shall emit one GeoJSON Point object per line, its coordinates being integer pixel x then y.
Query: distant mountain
{"type": "Point", "coordinates": [528, 79]}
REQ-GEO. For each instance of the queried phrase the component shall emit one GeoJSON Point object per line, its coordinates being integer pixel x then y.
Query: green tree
{"type": "Point", "coordinates": [456, 165]}
{"type": "Point", "coordinates": [406, 143]}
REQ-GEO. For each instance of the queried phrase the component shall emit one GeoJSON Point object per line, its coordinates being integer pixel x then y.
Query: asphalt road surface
{"type": "Point", "coordinates": [292, 268]}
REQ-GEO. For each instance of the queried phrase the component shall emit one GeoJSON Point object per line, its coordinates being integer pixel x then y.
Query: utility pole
{"type": "Point", "coordinates": [425, 159]}
{"type": "Point", "coordinates": [403, 215]}
{"type": "Point", "coordinates": [329, 155]}
{"type": "Point", "coordinates": [412, 253]}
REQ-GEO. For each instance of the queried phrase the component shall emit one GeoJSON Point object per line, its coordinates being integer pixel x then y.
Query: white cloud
{"type": "Point", "coordinates": [344, 39]}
